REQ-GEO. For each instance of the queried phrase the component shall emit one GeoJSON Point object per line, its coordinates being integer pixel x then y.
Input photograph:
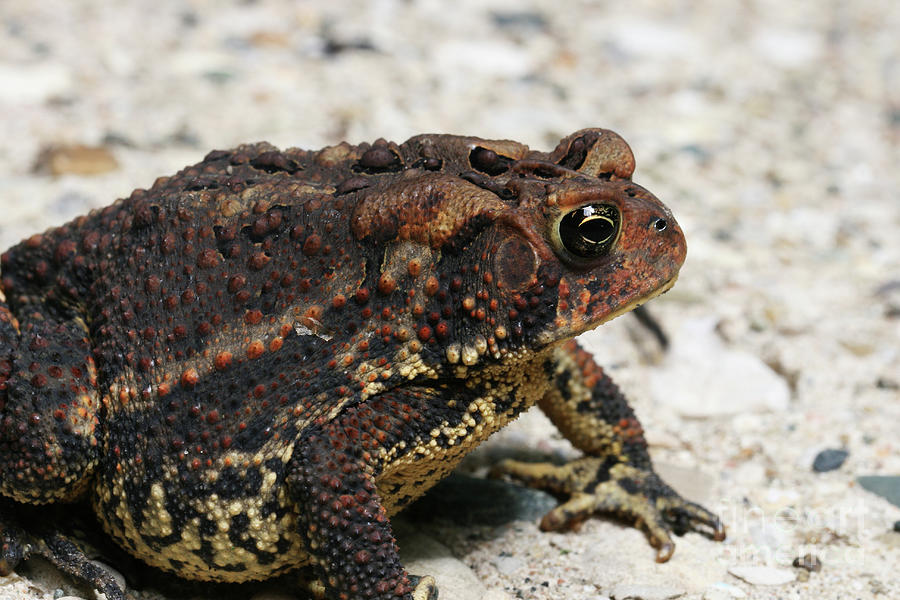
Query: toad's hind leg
{"type": "Point", "coordinates": [48, 421]}
{"type": "Point", "coordinates": [341, 514]}
{"type": "Point", "coordinates": [48, 400]}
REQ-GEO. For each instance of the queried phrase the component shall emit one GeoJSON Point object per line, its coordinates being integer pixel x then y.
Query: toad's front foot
{"type": "Point", "coordinates": [632, 493]}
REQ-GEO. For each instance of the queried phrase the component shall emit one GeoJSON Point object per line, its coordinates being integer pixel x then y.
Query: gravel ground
{"type": "Point", "coordinates": [770, 128]}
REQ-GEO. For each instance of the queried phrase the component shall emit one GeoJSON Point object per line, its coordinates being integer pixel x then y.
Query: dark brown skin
{"type": "Point", "coordinates": [252, 365]}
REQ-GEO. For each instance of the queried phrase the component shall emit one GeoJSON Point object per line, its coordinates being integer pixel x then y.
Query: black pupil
{"type": "Point", "coordinates": [589, 231]}
{"type": "Point", "coordinates": [596, 229]}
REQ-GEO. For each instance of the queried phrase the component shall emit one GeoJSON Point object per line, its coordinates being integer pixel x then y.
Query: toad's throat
{"type": "Point", "coordinates": [566, 330]}
{"type": "Point", "coordinates": [665, 287]}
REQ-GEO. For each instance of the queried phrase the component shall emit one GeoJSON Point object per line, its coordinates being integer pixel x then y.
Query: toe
{"type": "Point", "coordinates": [678, 511]}
{"type": "Point", "coordinates": [657, 533]}
{"type": "Point", "coordinates": [665, 552]}
{"type": "Point", "coordinates": [425, 588]}
{"type": "Point", "coordinates": [568, 514]}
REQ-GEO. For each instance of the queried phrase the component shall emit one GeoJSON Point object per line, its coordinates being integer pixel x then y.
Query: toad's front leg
{"type": "Point", "coordinates": [341, 515]}
{"type": "Point", "coordinates": [616, 475]}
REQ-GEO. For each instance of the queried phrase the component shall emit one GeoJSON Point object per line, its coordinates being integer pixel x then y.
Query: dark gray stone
{"type": "Point", "coordinates": [886, 486]}
{"type": "Point", "coordinates": [829, 460]}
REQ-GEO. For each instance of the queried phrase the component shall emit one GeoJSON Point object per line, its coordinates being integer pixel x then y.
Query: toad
{"type": "Point", "coordinates": [252, 365]}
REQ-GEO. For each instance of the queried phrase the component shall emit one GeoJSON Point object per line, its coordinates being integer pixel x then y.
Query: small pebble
{"type": "Point", "coordinates": [883, 383]}
{"type": "Point", "coordinates": [75, 160]}
{"type": "Point", "coordinates": [757, 575]}
{"type": "Point", "coordinates": [810, 562]}
{"type": "Point", "coordinates": [829, 460]}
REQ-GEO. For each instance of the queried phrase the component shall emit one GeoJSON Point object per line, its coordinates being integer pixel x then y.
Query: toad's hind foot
{"type": "Point", "coordinates": [17, 544]}
{"type": "Point", "coordinates": [623, 490]}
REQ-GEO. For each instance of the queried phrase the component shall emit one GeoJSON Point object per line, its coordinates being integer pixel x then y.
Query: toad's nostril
{"type": "Point", "coordinates": [660, 224]}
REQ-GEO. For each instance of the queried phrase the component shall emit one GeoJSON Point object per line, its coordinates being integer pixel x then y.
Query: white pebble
{"type": "Point", "coordinates": [645, 592]}
{"type": "Point", "coordinates": [759, 575]}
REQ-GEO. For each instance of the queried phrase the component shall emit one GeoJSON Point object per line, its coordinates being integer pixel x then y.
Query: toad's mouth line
{"type": "Point", "coordinates": [665, 287]}
{"type": "Point", "coordinates": [552, 336]}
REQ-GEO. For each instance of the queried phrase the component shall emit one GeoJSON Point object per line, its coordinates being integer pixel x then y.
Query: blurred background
{"type": "Point", "coordinates": [770, 128]}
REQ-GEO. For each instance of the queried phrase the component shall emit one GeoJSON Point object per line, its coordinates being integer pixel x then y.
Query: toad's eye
{"type": "Point", "coordinates": [589, 231]}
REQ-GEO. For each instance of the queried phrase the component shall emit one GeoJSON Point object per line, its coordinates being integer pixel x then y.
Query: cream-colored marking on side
{"type": "Point", "coordinates": [158, 521]}
{"type": "Point", "coordinates": [264, 531]}
{"type": "Point", "coordinates": [411, 366]}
